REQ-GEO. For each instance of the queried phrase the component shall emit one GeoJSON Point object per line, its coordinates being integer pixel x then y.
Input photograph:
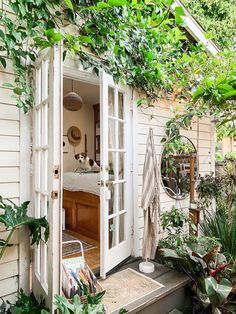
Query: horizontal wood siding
{"type": "Point", "coordinates": [200, 135]}
{"type": "Point", "coordinates": [9, 178]}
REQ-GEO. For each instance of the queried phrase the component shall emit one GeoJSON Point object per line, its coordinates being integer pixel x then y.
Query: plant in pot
{"type": "Point", "coordinates": [200, 259]}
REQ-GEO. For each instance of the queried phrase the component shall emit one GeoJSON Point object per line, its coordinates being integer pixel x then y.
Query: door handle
{"type": "Point", "coordinates": [100, 183]}
{"type": "Point", "coordinates": [107, 183]}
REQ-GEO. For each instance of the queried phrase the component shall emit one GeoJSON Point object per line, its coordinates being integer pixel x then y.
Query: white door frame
{"type": "Point", "coordinates": [73, 72]}
{"type": "Point", "coordinates": [47, 161]}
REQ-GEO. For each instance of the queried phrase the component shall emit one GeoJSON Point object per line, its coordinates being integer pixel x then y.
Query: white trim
{"type": "Point", "coordinates": [194, 29]}
{"type": "Point", "coordinates": [25, 195]}
{"type": "Point", "coordinates": [213, 147]}
{"type": "Point", "coordinates": [110, 257]}
{"type": "Point", "coordinates": [135, 176]}
{"type": "Point", "coordinates": [80, 75]}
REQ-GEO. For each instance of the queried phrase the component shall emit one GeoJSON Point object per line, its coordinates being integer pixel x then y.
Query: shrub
{"type": "Point", "coordinates": [219, 225]}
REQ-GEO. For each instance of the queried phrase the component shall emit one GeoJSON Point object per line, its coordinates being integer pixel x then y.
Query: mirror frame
{"type": "Point", "coordinates": [162, 184]}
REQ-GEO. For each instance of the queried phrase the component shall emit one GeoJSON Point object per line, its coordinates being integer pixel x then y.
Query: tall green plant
{"type": "Point", "coordinates": [13, 217]}
{"type": "Point", "coordinates": [217, 224]}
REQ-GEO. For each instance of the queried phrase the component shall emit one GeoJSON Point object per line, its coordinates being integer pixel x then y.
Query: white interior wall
{"type": "Point", "coordinates": [202, 136]}
{"type": "Point", "coordinates": [83, 119]}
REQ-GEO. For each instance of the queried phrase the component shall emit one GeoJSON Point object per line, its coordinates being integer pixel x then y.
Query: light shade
{"type": "Point", "coordinates": [72, 101]}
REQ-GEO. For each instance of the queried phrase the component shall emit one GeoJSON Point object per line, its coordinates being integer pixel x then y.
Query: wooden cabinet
{"type": "Point", "coordinates": [82, 213]}
{"type": "Point", "coordinates": [96, 109]}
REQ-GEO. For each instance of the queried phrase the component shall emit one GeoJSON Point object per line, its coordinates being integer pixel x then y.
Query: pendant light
{"type": "Point", "coordinates": [72, 101]}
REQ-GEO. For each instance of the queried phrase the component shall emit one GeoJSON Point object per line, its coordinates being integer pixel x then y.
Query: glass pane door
{"type": "Point", "coordinates": [115, 167]}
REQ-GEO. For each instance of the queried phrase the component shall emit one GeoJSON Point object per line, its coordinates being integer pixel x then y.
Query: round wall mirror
{"type": "Point", "coordinates": [178, 167]}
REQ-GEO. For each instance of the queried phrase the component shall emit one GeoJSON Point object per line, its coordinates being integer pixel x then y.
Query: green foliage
{"type": "Point", "coordinates": [140, 43]}
{"type": "Point", "coordinates": [173, 220]}
{"type": "Point", "coordinates": [217, 224]}
{"type": "Point", "coordinates": [219, 157]}
{"type": "Point", "coordinates": [209, 89]}
{"type": "Point", "coordinates": [93, 306]}
{"type": "Point", "coordinates": [14, 217]}
{"type": "Point", "coordinates": [222, 188]}
{"type": "Point", "coordinates": [217, 292]}
{"type": "Point", "coordinates": [198, 257]}
{"type": "Point", "coordinates": [208, 189]}
{"type": "Point", "coordinates": [27, 304]}
{"type": "Point", "coordinates": [218, 18]}
{"type": "Point", "coordinates": [192, 255]}
{"type": "Point", "coordinates": [230, 156]}
{"type": "Point", "coordinates": [137, 42]}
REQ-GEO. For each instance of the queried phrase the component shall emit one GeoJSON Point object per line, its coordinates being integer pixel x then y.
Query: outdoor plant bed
{"type": "Point", "coordinates": [213, 277]}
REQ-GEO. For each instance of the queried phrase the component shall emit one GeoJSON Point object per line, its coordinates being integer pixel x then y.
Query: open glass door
{"type": "Point", "coordinates": [115, 174]}
{"type": "Point", "coordinates": [46, 171]}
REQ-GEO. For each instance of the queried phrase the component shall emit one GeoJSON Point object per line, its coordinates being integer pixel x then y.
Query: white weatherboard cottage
{"type": "Point", "coordinates": [31, 166]}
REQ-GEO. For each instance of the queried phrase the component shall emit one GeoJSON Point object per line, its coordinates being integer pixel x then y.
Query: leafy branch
{"type": "Point", "coordinates": [13, 217]}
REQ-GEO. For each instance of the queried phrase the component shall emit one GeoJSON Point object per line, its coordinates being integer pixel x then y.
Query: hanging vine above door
{"type": "Point", "coordinates": [141, 43]}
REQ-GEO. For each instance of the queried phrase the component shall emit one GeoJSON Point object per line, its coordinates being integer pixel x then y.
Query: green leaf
{"type": "Point", "coordinates": [169, 253]}
{"type": "Point", "coordinates": [3, 62]}
{"type": "Point", "coordinates": [69, 4]}
{"type": "Point", "coordinates": [53, 36]}
{"type": "Point", "coordinates": [102, 5]}
{"type": "Point", "coordinates": [117, 2]}
{"type": "Point", "coordinates": [2, 35]}
{"type": "Point", "coordinates": [85, 39]}
{"type": "Point", "coordinates": [15, 216]}
{"type": "Point", "coordinates": [3, 243]}
{"type": "Point", "coordinates": [225, 87]}
{"type": "Point", "coordinates": [8, 85]}
{"type": "Point", "coordinates": [180, 11]}
{"type": "Point", "coordinates": [217, 293]}
{"type": "Point", "coordinates": [17, 91]}
{"type": "Point", "coordinates": [230, 95]}
{"type": "Point", "coordinates": [198, 93]}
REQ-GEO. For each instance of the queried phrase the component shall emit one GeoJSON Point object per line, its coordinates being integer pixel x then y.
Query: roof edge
{"type": "Point", "coordinates": [195, 29]}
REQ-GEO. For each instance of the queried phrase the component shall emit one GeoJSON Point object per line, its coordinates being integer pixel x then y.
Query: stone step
{"type": "Point", "coordinates": [172, 295]}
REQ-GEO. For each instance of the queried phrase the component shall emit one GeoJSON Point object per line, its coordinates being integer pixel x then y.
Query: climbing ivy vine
{"type": "Point", "coordinates": [136, 41]}
{"type": "Point", "coordinates": [139, 42]}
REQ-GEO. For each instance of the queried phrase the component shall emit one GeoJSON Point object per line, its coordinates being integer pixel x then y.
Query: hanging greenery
{"type": "Point", "coordinates": [141, 43]}
{"type": "Point", "coordinates": [218, 18]}
{"type": "Point", "coordinates": [213, 95]}
{"type": "Point", "coordinates": [137, 42]}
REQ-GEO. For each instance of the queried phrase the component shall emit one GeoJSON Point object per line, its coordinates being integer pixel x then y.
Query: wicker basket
{"type": "Point", "coordinates": [80, 259]}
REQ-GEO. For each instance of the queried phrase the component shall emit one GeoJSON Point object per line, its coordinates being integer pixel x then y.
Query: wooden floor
{"type": "Point", "coordinates": [92, 256]}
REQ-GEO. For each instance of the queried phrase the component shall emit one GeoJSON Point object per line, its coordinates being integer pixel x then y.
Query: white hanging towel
{"type": "Point", "coordinates": [150, 200]}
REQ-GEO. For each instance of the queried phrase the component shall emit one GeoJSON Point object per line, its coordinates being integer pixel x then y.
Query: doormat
{"type": "Point", "coordinates": [125, 287]}
{"type": "Point", "coordinates": [73, 248]}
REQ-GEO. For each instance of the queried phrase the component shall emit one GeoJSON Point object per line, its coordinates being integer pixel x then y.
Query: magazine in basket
{"type": "Point", "coordinates": [77, 278]}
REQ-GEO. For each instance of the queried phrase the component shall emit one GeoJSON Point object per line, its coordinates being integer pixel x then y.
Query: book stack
{"type": "Point", "coordinates": [77, 278]}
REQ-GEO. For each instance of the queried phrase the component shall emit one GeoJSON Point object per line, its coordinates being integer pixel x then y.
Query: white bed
{"type": "Point", "coordinates": [83, 182]}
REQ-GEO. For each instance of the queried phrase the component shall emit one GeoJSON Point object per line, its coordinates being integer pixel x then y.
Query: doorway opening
{"type": "Point", "coordinates": [81, 171]}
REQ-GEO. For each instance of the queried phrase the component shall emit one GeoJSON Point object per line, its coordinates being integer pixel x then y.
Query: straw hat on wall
{"type": "Point", "coordinates": [74, 135]}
